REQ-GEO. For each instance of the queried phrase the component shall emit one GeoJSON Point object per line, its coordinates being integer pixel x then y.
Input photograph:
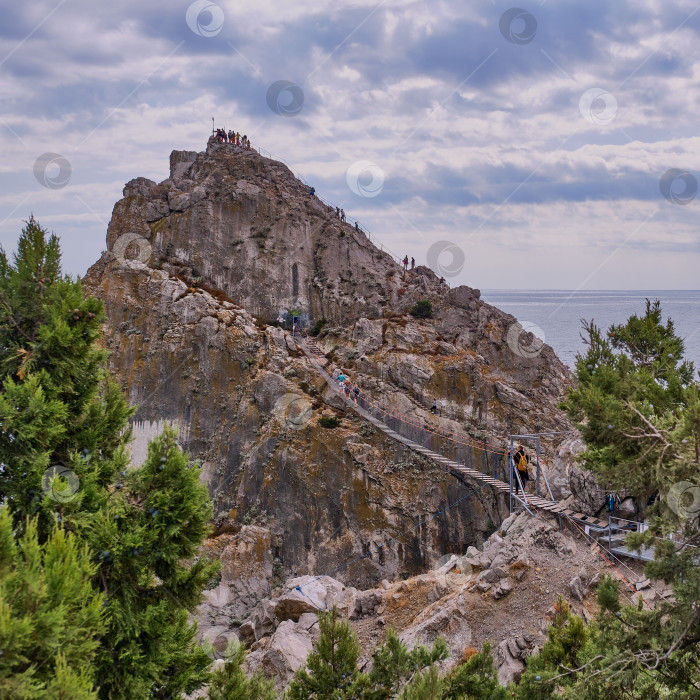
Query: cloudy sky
{"type": "Point", "coordinates": [552, 145]}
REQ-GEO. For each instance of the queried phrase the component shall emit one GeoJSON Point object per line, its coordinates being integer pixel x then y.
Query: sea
{"type": "Point", "coordinates": [555, 315]}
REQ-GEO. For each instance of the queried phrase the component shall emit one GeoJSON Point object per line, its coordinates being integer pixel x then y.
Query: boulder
{"type": "Point", "coordinates": [179, 201]}
{"type": "Point", "coordinates": [284, 654]}
{"type": "Point", "coordinates": [464, 297]}
{"type": "Point", "coordinates": [261, 622]}
{"type": "Point", "coordinates": [503, 588]}
{"type": "Point", "coordinates": [448, 621]}
{"type": "Point", "coordinates": [509, 665]}
{"type": "Point", "coordinates": [139, 186]}
{"type": "Point", "coordinates": [309, 594]}
{"type": "Point", "coordinates": [366, 603]}
{"type": "Point", "coordinates": [180, 162]}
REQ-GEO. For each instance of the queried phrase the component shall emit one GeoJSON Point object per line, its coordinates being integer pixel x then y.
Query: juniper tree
{"type": "Point", "coordinates": [331, 668]}
{"type": "Point", "coordinates": [230, 682]}
{"type": "Point", "coordinates": [394, 664]}
{"type": "Point", "coordinates": [50, 615]}
{"type": "Point", "coordinates": [474, 679]}
{"type": "Point", "coordinates": [636, 405]}
{"type": "Point", "coordinates": [61, 415]}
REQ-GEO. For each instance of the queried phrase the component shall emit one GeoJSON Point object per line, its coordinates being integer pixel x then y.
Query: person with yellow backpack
{"type": "Point", "coordinates": [520, 462]}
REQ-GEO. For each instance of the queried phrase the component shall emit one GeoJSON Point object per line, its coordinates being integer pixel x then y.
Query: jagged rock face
{"type": "Point", "coordinates": [246, 402]}
{"type": "Point", "coordinates": [243, 224]}
{"type": "Point", "coordinates": [188, 334]}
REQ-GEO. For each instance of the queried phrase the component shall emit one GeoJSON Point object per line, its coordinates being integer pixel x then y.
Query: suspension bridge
{"type": "Point", "coordinates": [463, 456]}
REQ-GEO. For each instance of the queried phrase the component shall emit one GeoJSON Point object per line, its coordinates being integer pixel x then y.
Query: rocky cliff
{"type": "Point", "coordinates": [198, 269]}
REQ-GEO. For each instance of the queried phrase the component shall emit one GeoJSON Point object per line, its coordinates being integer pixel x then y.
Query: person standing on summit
{"type": "Point", "coordinates": [405, 264]}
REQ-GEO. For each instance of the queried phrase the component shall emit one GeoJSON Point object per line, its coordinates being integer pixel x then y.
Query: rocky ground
{"type": "Point", "coordinates": [502, 593]}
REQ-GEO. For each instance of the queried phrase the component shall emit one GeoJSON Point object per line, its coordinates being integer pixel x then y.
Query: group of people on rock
{"type": "Point", "coordinates": [413, 267]}
{"type": "Point", "coordinates": [232, 137]}
{"type": "Point", "coordinates": [348, 388]}
{"type": "Point", "coordinates": [340, 213]}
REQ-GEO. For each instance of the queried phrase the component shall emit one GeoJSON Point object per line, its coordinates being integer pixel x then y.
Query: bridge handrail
{"type": "Point", "coordinates": [420, 432]}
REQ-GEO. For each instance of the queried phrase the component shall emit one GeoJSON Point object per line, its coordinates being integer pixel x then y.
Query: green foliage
{"type": "Point", "coordinates": [329, 421]}
{"type": "Point", "coordinates": [422, 309]}
{"type": "Point", "coordinates": [318, 327]}
{"type": "Point", "coordinates": [59, 413]}
{"type": "Point", "coordinates": [57, 406]}
{"type": "Point", "coordinates": [609, 594]}
{"type": "Point", "coordinates": [425, 686]}
{"type": "Point", "coordinates": [331, 668]}
{"type": "Point", "coordinates": [567, 635]}
{"type": "Point", "coordinates": [475, 679]}
{"type": "Point", "coordinates": [394, 664]}
{"type": "Point", "coordinates": [637, 408]}
{"type": "Point", "coordinates": [154, 524]}
{"type": "Point", "coordinates": [50, 615]}
{"type": "Point", "coordinates": [231, 683]}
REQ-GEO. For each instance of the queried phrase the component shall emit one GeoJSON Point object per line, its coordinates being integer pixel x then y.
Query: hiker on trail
{"type": "Point", "coordinates": [238, 139]}
{"type": "Point", "coordinates": [341, 380]}
{"type": "Point", "coordinates": [230, 136]}
{"type": "Point", "coordinates": [520, 462]}
{"type": "Point", "coordinates": [348, 388]}
{"type": "Point", "coordinates": [405, 263]}
{"type": "Point", "coordinates": [613, 502]}
{"type": "Point", "coordinates": [337, 212]}
{"type": "Point", "coordinates": [355, 392]}
{"type": "Point", "coordinates": [312, 192]}
{"type": "Point", "coordinates": [342, 214]}
{"type": "Point", "coordinates": [357, 228]}
{"type": "Point", "coordinates": [413, 263]}
{"type": "Point", "coordinates": [433, 408]}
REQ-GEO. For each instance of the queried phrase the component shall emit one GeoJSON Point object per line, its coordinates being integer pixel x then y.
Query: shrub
{"type": "Point", "coordinates": [318, 326]}
{"type": "Point", "coordinates": [329, 421]}
{"type": "Point", "coordinates": [422, 309]}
